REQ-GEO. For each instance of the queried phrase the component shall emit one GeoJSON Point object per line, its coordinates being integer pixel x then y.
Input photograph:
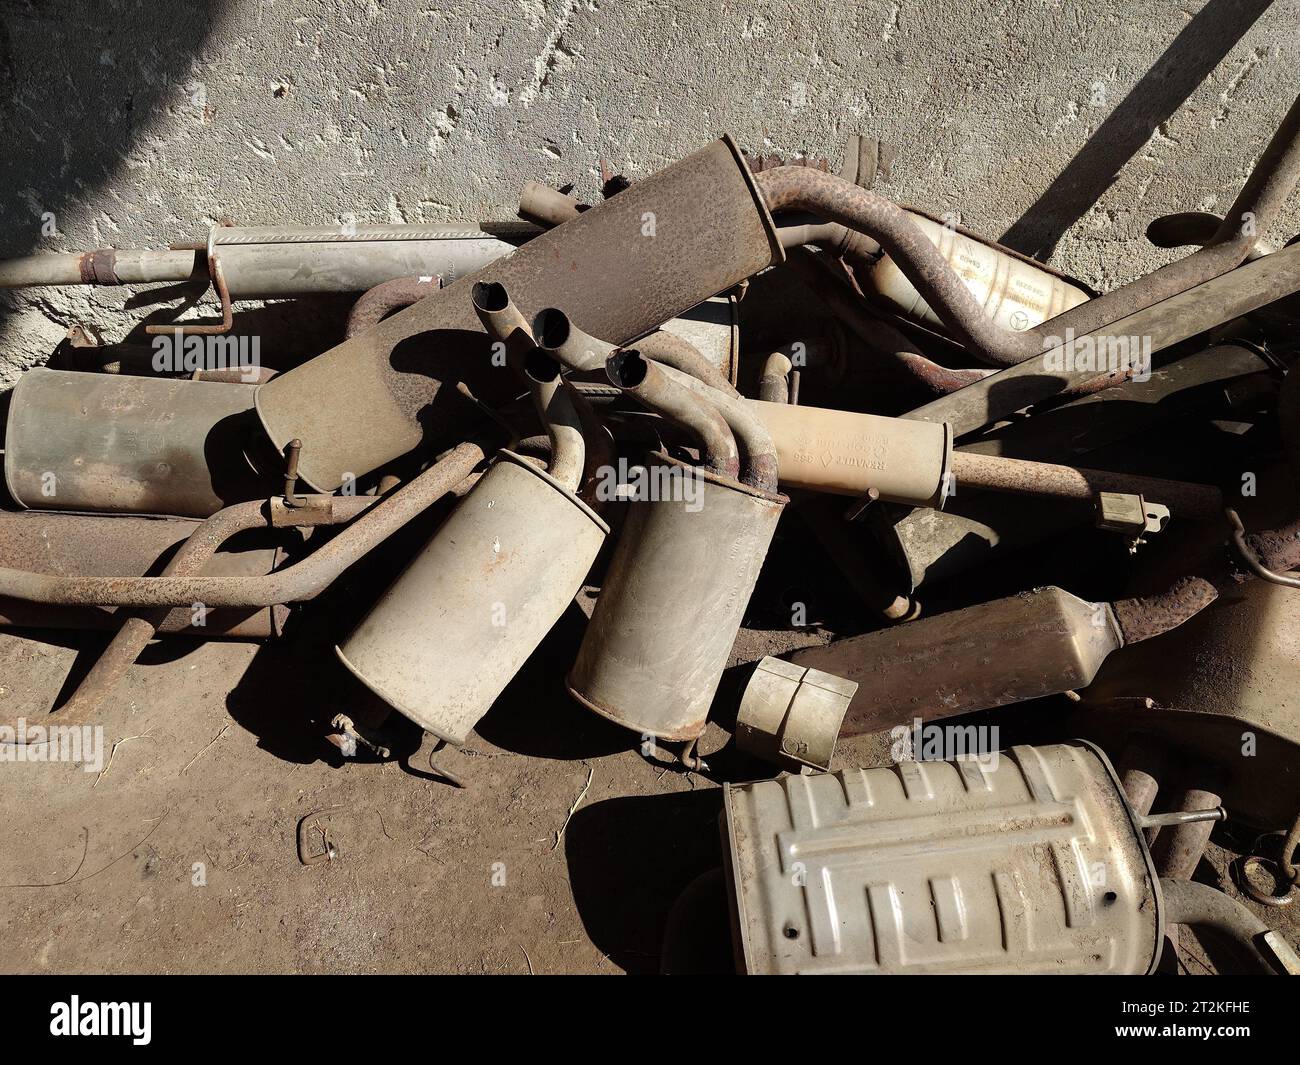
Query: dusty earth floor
{"type": "Point", "coordinates": [216, 756]}
{"type": "Point", "coordinates": [563, 853]}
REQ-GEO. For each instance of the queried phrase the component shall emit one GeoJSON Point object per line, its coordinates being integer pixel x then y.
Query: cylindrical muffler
{"type": "Point", "coordinates": [93, 545]}
{"type": "Point", "coordinates": [621, 269]}
{"type": "Point", "coordinates": [847, 453]}
{"type": "Point", "coordinates": [446, 638]}
{"type": "Point", "coordinates": [119, 444]}
{"type": "Point", "coordinates": [672, 602]}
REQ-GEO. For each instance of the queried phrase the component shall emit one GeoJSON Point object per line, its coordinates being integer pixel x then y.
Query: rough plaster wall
{"type": "Point", "coordinates": [1064, 126]}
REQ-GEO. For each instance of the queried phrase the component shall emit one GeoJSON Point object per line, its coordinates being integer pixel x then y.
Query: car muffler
{"type": "Point", "coordinates": [1026, 860]}
{"type": "Point", "coordinates": [672, 241]}
{"type": "Point", "coordinates": [681, 575]}
{"type": "Point", "coordinates": [109, 443]}
{"type": "Point", "coordinates": [847, 453]}
{"type": "Point", "coordinates": [449, 634]}
{"type": "Point", "coordinates": [1010, 650]}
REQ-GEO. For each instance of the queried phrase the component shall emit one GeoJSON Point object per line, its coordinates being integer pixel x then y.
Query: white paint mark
{"type": "Point", "coordinates": [891, 25]}
{"type": "Point", "coordinates": [552, 56]}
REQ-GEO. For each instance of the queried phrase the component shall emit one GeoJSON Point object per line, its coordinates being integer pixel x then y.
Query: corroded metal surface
{"type": "Point", "coordinates": [1003, 651]}
{"type": "Point", "coordinates": [124, 444]}
{"type": "Point", "coordinates": [671, 604]}
{"type": "Point", "coordinates": [85, 545]}
{"type": "Point", "coordinates": [296, 583]}
{"type": "Point", "coordinates": [501, 570]}
{"type": "Point", "coordinates": [621, 269]}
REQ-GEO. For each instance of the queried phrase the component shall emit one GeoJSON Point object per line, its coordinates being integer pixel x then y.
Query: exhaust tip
{"type": "Point", "coordinates": [551, 327]}
{"type": "Point", "coordinates": [626, 368]}
{"type": "Point", "coordinates": [490, 297]}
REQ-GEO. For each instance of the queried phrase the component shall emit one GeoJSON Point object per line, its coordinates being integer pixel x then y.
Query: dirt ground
{"type": "Point", "coordinates": [563, 853]}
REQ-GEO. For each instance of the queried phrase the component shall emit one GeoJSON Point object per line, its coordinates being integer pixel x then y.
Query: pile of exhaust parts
{"type": "Point", "coordinates": [1016, 487]}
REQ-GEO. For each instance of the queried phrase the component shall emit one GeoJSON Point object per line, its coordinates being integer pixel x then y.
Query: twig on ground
{"type": "Point", "coordinates": [224, 729]}
{"type": "Point", "coordinates": [113, 751]}
{"type": "Point", "coordinates": [591, 771]}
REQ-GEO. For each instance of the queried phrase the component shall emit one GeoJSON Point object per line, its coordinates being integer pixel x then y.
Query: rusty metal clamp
{"type": "Point", "coordinates": [1249, 557]}
{"type": "Point", "coordinates": [330, 851]}
{"type": "Point", "coordinates": [292, 451]}
{"type": "Point", "coordinates": [222, 290]}
{"type": "Point", "coordinates": [1283, 873]}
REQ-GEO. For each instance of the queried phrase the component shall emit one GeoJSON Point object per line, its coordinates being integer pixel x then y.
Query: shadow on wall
{"type": "Point", "coordinates": [1203, 43]}
{"type": "Point", "coordinates": [78, 81]}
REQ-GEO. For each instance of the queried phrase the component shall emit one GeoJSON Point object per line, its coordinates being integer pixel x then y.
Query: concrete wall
{"type": "Point", "coordinates": [1062, 128]}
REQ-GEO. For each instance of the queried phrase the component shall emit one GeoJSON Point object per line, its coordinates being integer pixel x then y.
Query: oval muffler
{"type": "Point", "coordinates": [109, 443]}
{"type": "Point", "coordinates": [446, 638]}
{"type": "Point", "coordinates": [672, 602]}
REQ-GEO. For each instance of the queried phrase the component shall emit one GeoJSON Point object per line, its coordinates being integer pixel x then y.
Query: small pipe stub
{"type": "Point", "coordinates": [791, 715]}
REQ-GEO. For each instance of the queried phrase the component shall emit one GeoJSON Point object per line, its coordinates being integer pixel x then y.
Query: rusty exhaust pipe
{"type": "Point", "coordinates": [297, 583]}
{"type": "Point", "coordinates": [646, 381]}
{"type": "Point", "coordinates": [78, 545]}
{"type": "Point", "coordinates": [918, 257]}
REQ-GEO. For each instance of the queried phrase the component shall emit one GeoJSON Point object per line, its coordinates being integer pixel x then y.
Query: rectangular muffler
{"type": "Point", "coordinates": [1027, 860]}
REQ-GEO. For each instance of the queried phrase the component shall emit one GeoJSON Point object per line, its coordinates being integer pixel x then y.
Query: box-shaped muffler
{"type": "Point", "coordinates": [1026, 860]}
{"type": "Point", "coordinates": [446, 638]}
